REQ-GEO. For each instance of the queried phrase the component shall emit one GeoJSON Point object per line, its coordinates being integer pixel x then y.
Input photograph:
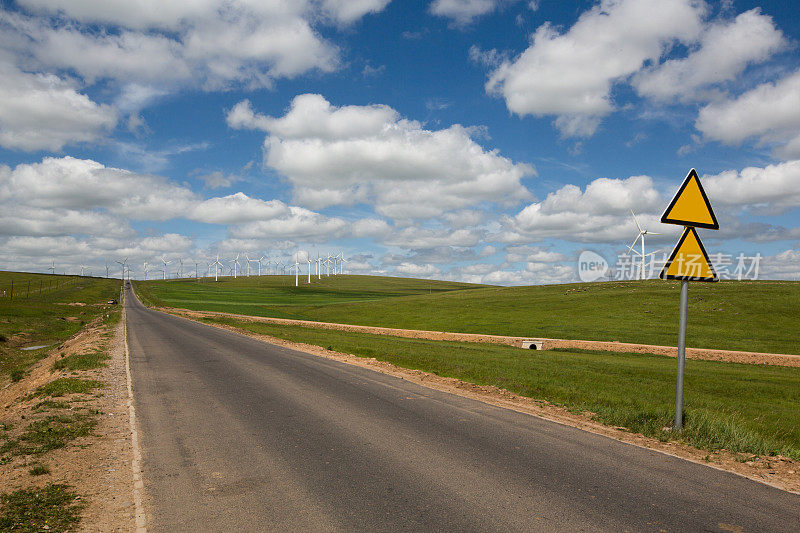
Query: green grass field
{"type": "Point", "coordinates": [742, 408]}
{"type": "Point", "coordinates": [757, 316]}
{"type": "Point", "coordinates": [55, 308]}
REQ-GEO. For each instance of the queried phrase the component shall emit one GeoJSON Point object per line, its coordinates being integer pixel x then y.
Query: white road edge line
{"type": "Point", "coordinates": [136, 462]}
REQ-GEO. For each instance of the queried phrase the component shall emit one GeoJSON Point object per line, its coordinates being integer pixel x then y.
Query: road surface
{"type": "Point", "coordinates": [242, 435]}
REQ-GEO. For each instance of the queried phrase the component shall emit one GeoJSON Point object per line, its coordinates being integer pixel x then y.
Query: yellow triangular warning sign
{"type": "Point", "coordinates": [691, 207]}
{"type": "Point", "coordinates": [689, 260]}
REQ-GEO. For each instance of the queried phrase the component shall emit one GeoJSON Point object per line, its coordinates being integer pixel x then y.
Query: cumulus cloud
{"type": "Point", "coordinates": [420, 239]}
{"type": "Point", "coordinates": [600, 213]}
{"type": "Point", "coordinates": [463, 12]}
{"type": "Point", "coordinates": [297, 224]}
{"type": "Point", "coordinates": [237, 209]}
{"type": "Point", "coordinates": [417, 271]}
{"type": "Point", "coordinates": [783, 265]}
{"type": "Point", "coordinates": [369, 154]}
{"type": "Point", "coordinates": [211, 43]}
{"type": "Point", "coordinates": [570, 75]}
{"type": "Point", "coordinates": [43, 111]}
{"type": "Point", "coordinates": [770, 113]}
{"type": "Point", "coordinates": [532, 254]}
{"type": "Point", "coordinates": [71, 183]}
{"type": "Point", "coordinates": [723, 52]}
{"type": "Point", "coordinates": [775, 188]}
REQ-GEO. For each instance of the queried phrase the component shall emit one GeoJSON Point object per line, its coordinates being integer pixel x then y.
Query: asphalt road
{"type": "Point", "coordinates": [241, 435]}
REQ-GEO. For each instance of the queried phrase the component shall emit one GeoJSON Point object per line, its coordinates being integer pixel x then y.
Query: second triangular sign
{"type": "Point", "coordinates": [690, 206]}
{"type": "Point", "coordinates": [689, 260]}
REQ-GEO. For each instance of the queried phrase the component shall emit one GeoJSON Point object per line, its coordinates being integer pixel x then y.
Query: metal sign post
{"type": "Point", "coordinates": [681, 353]}
{"type": "Point", "coordinates": [688, 262]}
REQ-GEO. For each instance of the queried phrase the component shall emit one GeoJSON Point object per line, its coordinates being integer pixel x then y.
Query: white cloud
{"type": "Point", "coordinates": [551, 274]}
{"type": "Point", "coordinates": [370, 227]}
{"type": "Point", "coordinates": [417, 271]}
{"type": "Point", "coordinates": [775, 187]}
{"type": "Point", "coordinates": [770, 113]}
{"type": "Point", "coordinates": [71, 183]}
{"type": "Point", "coordinates": [207, 43]}
{"type": "Point", "coordinates": [368, 154]}
{"type": "Point", "coordinates": [463, 12]}
{"type": "Point", "coordinates": [784, 265]}
{"type": "Point", "coordinates": [297, 224]}
{"type": "Point", "coordinates": [724, 50]}
{"type": "Point", "coordinates": [534, 254]}
{"type": "Point", "coordinates": [420, 239]}
{"type": "Point", "coordinates": [40, 111]}
{"type": "Point", "coordinates": [237, 209]}
{"type": "Point", "coordinates": [570, 75]}
{"type": "Point", "coordinates": [601, 213]}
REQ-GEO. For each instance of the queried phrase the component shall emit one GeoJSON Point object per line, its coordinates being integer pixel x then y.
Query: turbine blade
{"type": "Point", "coordinates": [636, 220]}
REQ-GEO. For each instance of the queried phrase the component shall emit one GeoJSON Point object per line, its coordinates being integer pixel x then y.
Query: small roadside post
{"type": "Point", "coordinates": [689, 260]}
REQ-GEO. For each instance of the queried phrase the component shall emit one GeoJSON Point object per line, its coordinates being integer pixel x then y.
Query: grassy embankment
{"type": "Point", "coordinates": [45, 317]}
{"type": "Point", "coordinates": [742, 408]}
{"type": "Point", "coordinates": [53, 309]}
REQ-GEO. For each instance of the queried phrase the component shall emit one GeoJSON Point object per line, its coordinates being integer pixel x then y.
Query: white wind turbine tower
{"type": "Point", "coordinates": [642, 255]}
{"type": "Point", "coordinates": [82, 267]}
{"type": "Point", "coordinates": [259, 265]}
{"type": "Point", "coordinates": [145, 271]}
{"type": "Point", "coordinates": [235, 264]}
{"type": "Point", "coordinates": [106, 269]}
{"type": "Point", "coordinates": [180, 268]}
{"type": "Point", "coordinates": [216, 265]}
{"type": "Point", "coordinates": [341, 268]}
{"type": "Point", "coordinates": [122, 264]}
{"type": "Point", "coordinates": [319, 268]}
{"type": "Point", "coordinates": [52, 269]}
{"type": "Point", "coordinates": [296, 269]}
{"type": "Point", "coordinates": [163, 260]}
{"type": "Point", "coordinates": [308, 258]}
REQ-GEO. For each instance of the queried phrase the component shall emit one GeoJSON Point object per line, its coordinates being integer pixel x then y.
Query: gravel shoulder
{"type": "Point", "coordinates": [97, 465]}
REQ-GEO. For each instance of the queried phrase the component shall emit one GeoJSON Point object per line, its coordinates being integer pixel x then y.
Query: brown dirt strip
{"type": "Point", "coordinates": [97, 466]}
{"type": "Point", "coordinates": [732, 356]}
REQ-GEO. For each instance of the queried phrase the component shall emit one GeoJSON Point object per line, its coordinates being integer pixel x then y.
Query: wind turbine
{"type": "Point", "coordinates": [235, 264]}
{"type": "Point", "coordinates": [642, 255]}
{"type": "Point", "coordinates": [296, 269]}
{"type": "Point", "coordinates": [106, 269]}
{"type": "Point", "coordinates": [163, 260]}
{"type": "Point", "coordinates": [53, 268]}
{"type": "Point", "coordinates": [319, 266]}
{"type": "Point", "coordinates": [216, 264]}
{"type": "Point", "coordinates": [180, 268]}
{"type": "Point", "coordinates": [308, 258]}
{"type": "Point", "coordinates": [122, 264]}
{"type": "Point", "coordinates": [259, 265]}
{"type": "Point", "coordinates": [82, 267]}
{"type": "Point", "coordinates": [145, 271]}
{"type": "Point", "coordinates": [341, 268]}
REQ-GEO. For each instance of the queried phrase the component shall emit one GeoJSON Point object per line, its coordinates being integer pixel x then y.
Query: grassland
{"type": "Point", "coordinates": [741, 408]}
{"type": "Point", "coordinates": [55, 308]}
{"type": "Point", "coordinates": [749, 315]}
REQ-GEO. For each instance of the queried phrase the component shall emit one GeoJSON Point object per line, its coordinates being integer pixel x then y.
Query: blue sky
{"type": "Point", "coordinates": [485, 141]}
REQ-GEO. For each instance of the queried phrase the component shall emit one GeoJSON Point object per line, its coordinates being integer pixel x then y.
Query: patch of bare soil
{"type": "Point", "coordinates": [733, 356]}
{"type": "Point", "coordinates": [777, 471]}
{"type": "Point", "coordinates": [97, 465]}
